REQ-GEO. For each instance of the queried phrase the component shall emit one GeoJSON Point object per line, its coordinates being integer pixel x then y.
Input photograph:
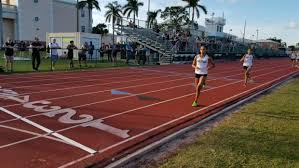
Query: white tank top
{"type": "Point", "coordinates": [202, 65]}
{"type": "Point", "coordinates": [248, 60]}
{"type": "Point", "coordinates": [293, 56]}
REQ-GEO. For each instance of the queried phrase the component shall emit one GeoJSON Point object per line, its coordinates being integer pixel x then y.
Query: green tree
{"type": "Point", "coordinates": [132, 6]}
{"type": "Point", "coordinates": [113, 14]}
{"type": "Point", "coordinates": [175, 16]}
{"type": "Point", "coordinates": [90, 5]}
{"type": "Point", "coordinates": [194, 5]}
{"type": "Point", "coordinates": [100, 29]}
{"type": "Point", "coordinates": [152, 17]}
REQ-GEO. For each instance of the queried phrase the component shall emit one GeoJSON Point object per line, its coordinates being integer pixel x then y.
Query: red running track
{"type": "Point", "coordinates": [76, 119]}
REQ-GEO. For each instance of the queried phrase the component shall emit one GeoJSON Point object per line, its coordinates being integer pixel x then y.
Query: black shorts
{"type": "Point", "coordinates": [82, 57]}
{"type": "Point", "coordinates": [293, 59]}
{"type": "Point", "coordinates": [200, 75]}
{"type": "Point", "coordinates": [246, 67]}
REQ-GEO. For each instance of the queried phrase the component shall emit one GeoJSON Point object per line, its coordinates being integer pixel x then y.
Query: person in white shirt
{"type": "Point", "coordinates": [54, 52]}
{"type": "Point", "coordinates": [293, 58]}
{"type": "Point", "coordinates": [247, 60]}
{"type": "Point", "coordinates": [201, 65]}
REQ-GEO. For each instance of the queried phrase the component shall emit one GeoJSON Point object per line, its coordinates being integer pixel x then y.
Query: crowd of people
{"type": "Point", "coordinates": [85, 52]}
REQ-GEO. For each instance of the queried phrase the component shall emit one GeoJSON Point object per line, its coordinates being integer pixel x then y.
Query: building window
{"type": "Point", "coordinates": [82, 28]}
{"type": "Point", "coordinates": [36, 19]}
{"type": "Point", "coordinates": [35, 1]}
{"type": "Point", "coordinates": [82, 13]}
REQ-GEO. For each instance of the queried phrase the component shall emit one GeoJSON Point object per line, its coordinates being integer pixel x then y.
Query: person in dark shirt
{"type": "Point", "coordinates": [9, 53]}
{"type": "Point", "coordinates": [82, 54]}
{"type": "Point", "coordinates": [36, 46]}
{"type": "Point", "coordinates": [90, 50]}
{"type": "Point", "coordinates": [70, 53]}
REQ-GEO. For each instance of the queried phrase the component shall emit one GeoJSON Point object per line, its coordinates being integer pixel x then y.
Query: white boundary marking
{"type": "Point", "coordinates": [31, 133]}
{"type": "Point", "coordinates": [88, 80]}
{"type": "Point", "coordinates": [50, 132]}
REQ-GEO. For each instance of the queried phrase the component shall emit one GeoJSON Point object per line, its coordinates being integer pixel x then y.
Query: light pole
{"type": "Point", "coordinates": [1, 25]}
{"type": "Point", "coordinates": [149, 5]}
{"type": "Point", "coordinates": [214, 32]}
{"type": "Point", "coordinates": [77, 7]}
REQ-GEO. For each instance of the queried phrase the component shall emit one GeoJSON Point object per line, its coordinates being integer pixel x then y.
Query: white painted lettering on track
{"type": "Point", "coordinates": [44, 107]}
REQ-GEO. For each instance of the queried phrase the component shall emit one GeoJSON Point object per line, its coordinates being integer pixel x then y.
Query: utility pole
{"type": "Point", "coordinates": [244, 32]}
{"type": "Point", "coordinates": [1, 25]}
{"type": "Point", "coordinates": [257, 34]}
{"type": "Point", "coordinates": [77, 7]}
{"type": "Point", "coordinates": [149, 5]}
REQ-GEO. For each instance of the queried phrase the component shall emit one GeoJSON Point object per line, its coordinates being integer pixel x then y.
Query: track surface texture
{"type": "Point", "coordinates": [78, 119]}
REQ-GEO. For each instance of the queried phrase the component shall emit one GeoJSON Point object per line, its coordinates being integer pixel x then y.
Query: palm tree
{"type": "Point", "coordinates": [132, 6]}
{"type": "Point", "coordinates": [90, 5]}
{"type": "Point", "coordinates": [194, 4]}
{"type": "Point", "coordinates": [152, 17]}
{"type": "Point", "coordinates": [114, 14]}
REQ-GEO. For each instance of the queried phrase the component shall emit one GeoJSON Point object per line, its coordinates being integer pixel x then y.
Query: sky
{"type": "Point", "coordinates": [272, 18]}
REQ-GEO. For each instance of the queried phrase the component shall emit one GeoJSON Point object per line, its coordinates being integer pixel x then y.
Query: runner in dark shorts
{"type": "Point", "coordinates": [9, 54]}
{"type": "Point", "coordinates": [70, 53]}
{"type": "Point", "coordinates": [36, 46]}
{"type": "Point", "coordinates": [82, 54]}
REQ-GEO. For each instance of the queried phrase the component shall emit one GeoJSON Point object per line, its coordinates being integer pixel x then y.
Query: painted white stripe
{"type": "Point", "coordinates": [133, 73]}
{"type": "Point", "coordinates": [72, 82]}
{"type": "Point", "coordinates": [75, 76]}
{"type": "Point", "coordinates": [31, 133]}
{"type": "Point", "coordinates": [155, 128]}
{"type": "Point", "coordinates": [50, 132]}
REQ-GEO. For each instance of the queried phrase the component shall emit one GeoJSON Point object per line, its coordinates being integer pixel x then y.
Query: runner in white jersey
{"type": "Point", "coordinates": [201, 65]}
{"type": "Point", "coordinates": [247, 60]}
{"type": "Point", "coordinates": [293, 58]}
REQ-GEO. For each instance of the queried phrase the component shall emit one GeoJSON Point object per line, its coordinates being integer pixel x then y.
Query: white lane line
{"type": "Point", "coordinates": [108, 83]}
{"type": "Point", "coordinates": [84, 76]}
{"type": "Point", "coordinates": [54, 74]}
{"type": "Point", "coordinates": [79, 81]}
{"type": "Point", "coordinates": [108, 90]}
{"type": "Point", "coordinates": [48, 131]}
{"type": "Point", "coordinates": [170, 122]}
{"type": "Point", "coordinates": [125, 112]}
{"type": "Point", "coordinates": [31, 133]}
{"type": "Point", "coordinates": [5, 121]}
{"type": "Point", "coordinates": [129, 72]}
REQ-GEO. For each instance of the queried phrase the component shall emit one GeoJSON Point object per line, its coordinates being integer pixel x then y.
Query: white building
{"type": "Point", "coordinates": [214, 27]}
{"type": "Point", "coordinates": [25, 19]}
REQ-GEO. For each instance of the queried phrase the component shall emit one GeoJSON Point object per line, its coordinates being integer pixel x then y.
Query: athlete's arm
{"type": "Point", "coordinates": [194, 62]}
{"type": "Point", "coordinates": [242, 59]}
